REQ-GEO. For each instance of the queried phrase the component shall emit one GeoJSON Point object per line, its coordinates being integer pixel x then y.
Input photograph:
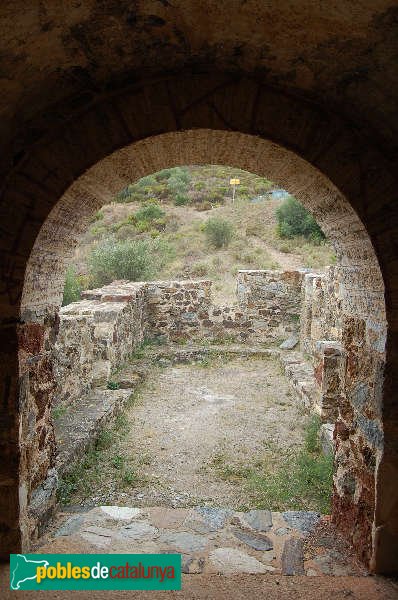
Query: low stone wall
{"type": "Point", "coordinates": [181, 310]}
{"type": "Point", "coordinates": [98, 333]}
{"type": "Point", "coordinates": [95, 336]}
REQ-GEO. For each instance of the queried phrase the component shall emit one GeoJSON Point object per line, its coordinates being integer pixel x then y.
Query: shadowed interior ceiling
{"type": "Point", "coordinates": [57, 57]}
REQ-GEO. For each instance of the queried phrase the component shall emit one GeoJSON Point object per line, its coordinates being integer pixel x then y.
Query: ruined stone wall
{"type": "Point", "coordinates": [271, 300]}
{"type": "Point", "coordinates": [95, 336]}
{"type": "Point", "coordinates": [36, 494]}
{"type": "Point", "coordinates": [177, 310]}
{"type": "Point", "coordinates": [346, 352]}
{"type": "Point", "coordinates": [183, 310]}
{"type": "Point", "coordinates": [343, 329]}
{"type": "Point", "coordinates": [98, 333]}
{"type": "Point", "coordinates": [320, 338]}
{"type": "Point", "coordinates": [321, 315]}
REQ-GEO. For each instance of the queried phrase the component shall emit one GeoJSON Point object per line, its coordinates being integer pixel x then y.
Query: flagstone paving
{"type": "Point", "coordinates": [210, 540]}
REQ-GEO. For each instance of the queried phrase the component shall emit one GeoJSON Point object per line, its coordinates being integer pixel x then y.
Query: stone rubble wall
{"type": "Point", "coordinates": [338, 373]}
{"type": "Point", "coordinates": [321, 308]}
{"type": "Point", "coordinates": [320, 338]}
{"type": "Point", "coordinates": [343, 330]}
{"type": "Point", "coordinates": [182, 310]}
{"type": "Point", "coordinates": [98, 333]}
{"type": "Point", "coordinates": [271, 300]}
{"type": "Point", "coordinates": [95, 336]}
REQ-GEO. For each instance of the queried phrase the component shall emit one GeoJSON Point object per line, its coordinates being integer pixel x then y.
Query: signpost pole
{"type": "Point", "coordinates": [234, 182]}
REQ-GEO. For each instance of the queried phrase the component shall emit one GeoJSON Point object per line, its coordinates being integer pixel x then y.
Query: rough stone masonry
{"type": "Point", "coordinates": [97, 334]}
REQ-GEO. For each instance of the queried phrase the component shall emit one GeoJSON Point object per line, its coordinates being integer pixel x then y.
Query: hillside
{"type": "Point", "coordinates": [184, 200]}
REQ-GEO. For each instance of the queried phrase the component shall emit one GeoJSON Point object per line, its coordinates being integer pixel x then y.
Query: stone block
{"type": "Point", "coordinates": [326, 438]}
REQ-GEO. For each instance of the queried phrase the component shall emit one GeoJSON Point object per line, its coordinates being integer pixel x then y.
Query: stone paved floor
{"type": "Point", "coordinates": [210, 540]}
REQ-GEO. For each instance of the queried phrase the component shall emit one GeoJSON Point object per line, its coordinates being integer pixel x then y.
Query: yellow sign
{"type": "Point", "coordinates": [234, 181]}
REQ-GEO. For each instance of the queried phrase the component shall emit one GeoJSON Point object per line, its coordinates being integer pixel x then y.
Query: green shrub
{"type": "Point", "coordinates": [126, 195]}
{"type": "Point", "coordinates": [72, 288]}
{"type": "Point", "coordinates": [223, 190]}
{"type": "Point", "coordinates": [179, 181]}
{"type": "Point", "coordinates": [146, 182]}
{"type": "Point", "coordinates": [294, 220]}
{"type": "Point", "coordinates": [164, 174]}
{"type": "Point", "coordinates": [219, 232]}
{"type": "Point", "coordinates": [135, 260]}
{"type": "Point", "coordinates": [150, 212]}
{"type": "Point", "coordinates": [112, 385]}
{"type": "Point", "coordinates": [181, 200]}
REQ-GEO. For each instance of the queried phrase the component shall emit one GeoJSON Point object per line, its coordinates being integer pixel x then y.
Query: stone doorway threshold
{"type": "Point", "coordinates": [211, 540]}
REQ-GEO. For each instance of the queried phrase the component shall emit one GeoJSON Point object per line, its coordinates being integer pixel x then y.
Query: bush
{"type": "Point", "coordinates": [218, 231]}
{"type": "Point", "coordinates": [72, 288]}
{"type": "Point", "coordinates": [151, 212]}
{"type": "Point", "coordinates": [294, 220]}
{"type": "Point", "coordinates": [98, 216]}
{"type": "Point", "coordinates": [164, 174]}
{"type": "Point", "coordinates": [181, 200]}
{"type": "Point", "coordinates": [147, 181]}
{"type": "Point", "coordinates": [135, 260]}
{"type": "Point", "coordinates": [125, 195]}
{"type": "Point", "coordinates": [179, 181]}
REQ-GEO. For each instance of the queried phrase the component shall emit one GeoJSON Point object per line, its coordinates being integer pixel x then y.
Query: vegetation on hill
{"type": "Point", "coordinates": [132, 259]}
{"type": "Point", "coordinates": [182, 223]}
{"type": "Point", "coordinates": [294, 220]}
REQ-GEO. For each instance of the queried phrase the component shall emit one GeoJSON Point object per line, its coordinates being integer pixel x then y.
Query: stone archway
{"type": "Point", "coordinates": [360, 224]}
{"type": "Point", "coordinates": [363, 305]}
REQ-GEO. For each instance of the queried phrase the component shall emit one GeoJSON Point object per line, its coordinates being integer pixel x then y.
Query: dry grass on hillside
{"type": "Point", "coordinates": [255, 243]}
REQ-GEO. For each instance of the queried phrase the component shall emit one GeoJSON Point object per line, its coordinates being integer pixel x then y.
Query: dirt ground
{"type": "Point", "coordinates": [193, 429]}
{"type": "Point", "coordinates": [238, 587]}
